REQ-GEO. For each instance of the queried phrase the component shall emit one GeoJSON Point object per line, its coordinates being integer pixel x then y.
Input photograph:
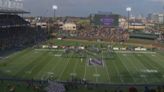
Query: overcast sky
{"type": "Point", "coordinates": [86, 7]}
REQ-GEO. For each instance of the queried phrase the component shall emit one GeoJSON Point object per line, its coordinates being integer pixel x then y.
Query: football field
{"type": "Point", "coordinates": [123, 67]}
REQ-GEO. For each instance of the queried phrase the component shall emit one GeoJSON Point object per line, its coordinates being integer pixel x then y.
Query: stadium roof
{"type": "Point", "coordinates": [13, 11]}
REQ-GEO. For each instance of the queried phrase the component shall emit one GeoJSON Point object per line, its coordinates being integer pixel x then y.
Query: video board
{"type": "Point", "coordinates": [106, 20]}
{"type": "Point", "coordinates": [11, 4]}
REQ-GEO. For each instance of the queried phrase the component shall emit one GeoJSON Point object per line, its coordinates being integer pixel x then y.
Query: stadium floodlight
{"type": "Point", "coordinates": [128, 9]}
{"type": "Point", "coordinates": [54, 7]}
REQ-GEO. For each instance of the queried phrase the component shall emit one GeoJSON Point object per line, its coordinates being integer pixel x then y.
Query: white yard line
{"type": "Point", "coordinates": [68, 60]}
{"type": "Point", "coordinates": [127, 70]}
{"type": "Point", "coordinates": [106, 69]}
{"type": "Point", "coordinates": [54, 67]}
{"type": "Point", "coordinates": [85, 73]}
{"type": "Point", "coordinates": [144, 68]}
{"type": "Point", "coordinates": [118, 73]}
{"type": "Point", "coordinates": [155, 69]}
{"type": "Point", "coordinates": [96, 74]}
{"type": "Point", "coordinates": [159, 58]}
{"type": "Point", "coordinates": [34, 67]}
{"type": "Point", "coordinates": [85, 70]}
{"type": "Point", "coordinates": [31, 55]}
{"type": "Point", "coordinates": [58, 62]}
{"type": "Point", "coordinates": [75, 67]}
{"type": "Point", "coordinates": [40, 73]}
{"type": "Point", "coordinates": [134, 66]}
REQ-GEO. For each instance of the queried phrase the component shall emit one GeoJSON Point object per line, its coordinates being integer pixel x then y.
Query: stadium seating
{"type": "Point", "coordinates": [15, 33]}
{"type": "Point", "coordinates": [11, 21]}
{"type": "Point", "coordinates": [99, 33]}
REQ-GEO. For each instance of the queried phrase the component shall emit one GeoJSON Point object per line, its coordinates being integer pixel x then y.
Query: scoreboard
{"type": "Point", "coordinates": [11, 4]}
{"type": "Point", "coordinates": [110, 20]}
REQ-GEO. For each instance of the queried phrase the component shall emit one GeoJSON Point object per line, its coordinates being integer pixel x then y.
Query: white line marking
{"type": "Point", "coordinates": [127, 69]}
{"type": "Point", "coordinates": [134, 66]}
{"type": "Point", "coordinates": [118, 73]}
{"type": "Point", "coordinates": [154, 68]}
{"type": "Point", "coordinates": [84, 78]}
{"type": "Point", "coordinates": [75, 66]}
{"type": "Point", "coordinates": [68, 60]}
{"type": "Point", "coordinates": [96, 73]}
{"type": "Point", "coordinates": [106, 68]}
{"type": "Point", "coordinates": [54, 67]}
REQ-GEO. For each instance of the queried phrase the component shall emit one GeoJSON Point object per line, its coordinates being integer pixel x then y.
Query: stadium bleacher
{"type": "Point", "coordinates": [7, 21]}
{"type": "Point", "coordinates": [102, 33]}
{"type": "Point", "coordinates": [15, 32]}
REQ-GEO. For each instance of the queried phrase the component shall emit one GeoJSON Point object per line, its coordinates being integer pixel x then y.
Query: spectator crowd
{"type": "Point", "coordinates": [103, 33]}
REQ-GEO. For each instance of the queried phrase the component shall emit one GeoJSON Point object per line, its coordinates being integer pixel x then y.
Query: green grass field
{"type": "Point", "coordinates": [123, 67]}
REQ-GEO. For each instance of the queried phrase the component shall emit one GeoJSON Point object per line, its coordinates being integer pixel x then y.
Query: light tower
{"type": "Point", "coordinates": [128, 9]}
{"type": "Point", "coordinates": [54, 7]}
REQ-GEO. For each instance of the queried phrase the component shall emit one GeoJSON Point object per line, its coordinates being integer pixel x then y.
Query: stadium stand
{"type": "Point", "coordinates": [7, 21]}
{"type": "Point", "coordinates": [15, 32]}
{"type": "Point", "coordinates": [102, 33]}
